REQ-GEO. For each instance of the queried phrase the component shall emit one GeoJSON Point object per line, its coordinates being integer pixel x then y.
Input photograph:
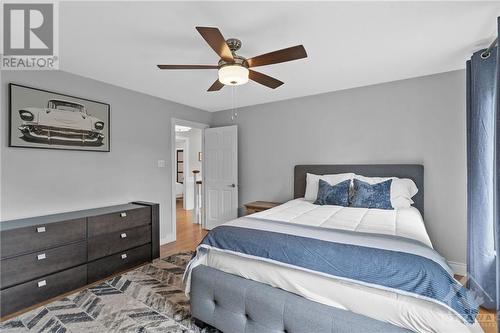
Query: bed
{"type": "Point", "coordinates": [261, 273]}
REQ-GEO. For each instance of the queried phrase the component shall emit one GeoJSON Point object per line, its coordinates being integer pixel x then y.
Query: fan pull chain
{"type": "Point", "coordinates": [234, 113]}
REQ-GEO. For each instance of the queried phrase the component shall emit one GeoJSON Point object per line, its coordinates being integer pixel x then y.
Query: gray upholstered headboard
{"type": "Point", "coordinates": [413, 171]}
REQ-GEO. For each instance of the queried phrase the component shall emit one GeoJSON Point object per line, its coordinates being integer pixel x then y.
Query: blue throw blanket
{"type": "Point", "coordinates": [417, 273]}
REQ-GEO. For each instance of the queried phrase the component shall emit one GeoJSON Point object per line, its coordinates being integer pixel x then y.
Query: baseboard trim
{"type": "Point", "coordinates": [458, 268]}
{"type": "Point", "coordinates": [167, 239]}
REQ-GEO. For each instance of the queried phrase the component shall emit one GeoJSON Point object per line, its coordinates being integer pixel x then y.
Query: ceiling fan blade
{"type": "Point", "coordinates": [187, 66]}
{"type": "Point", "coordinates": [283, 55]}
{"type": "Point", "coordinates": [264, 79]}
{"type": "Point", "coordinates": [214, 38]}
{"type": "Point", "coordinates": [216, 86]}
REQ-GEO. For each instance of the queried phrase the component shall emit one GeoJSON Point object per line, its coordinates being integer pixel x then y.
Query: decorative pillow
{"type": "Point", "coordinates": [312, 183]}
{"type": "Point", "coordinates": [337, 195]}
{"type": "Point", "coordinates": [371, 196]}
{"type": "Point", "coordinates": [402, 189]}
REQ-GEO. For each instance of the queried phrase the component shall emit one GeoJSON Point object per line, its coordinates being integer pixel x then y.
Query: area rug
{"type": "Point", "coordinates": [148, 299]}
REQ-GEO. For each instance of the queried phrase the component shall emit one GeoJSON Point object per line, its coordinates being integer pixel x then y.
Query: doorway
{"type": "Point", "coordinates": [187, 181]}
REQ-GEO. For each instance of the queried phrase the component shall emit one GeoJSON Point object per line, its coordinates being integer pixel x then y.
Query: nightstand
{"type": "Point", "coordinates": [259, 206]}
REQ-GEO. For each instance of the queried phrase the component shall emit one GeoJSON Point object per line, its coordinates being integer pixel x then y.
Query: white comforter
{"type": "Point", "coordinates": [415, 314]}
{"type": "Point", "coordinates": [406, 222]}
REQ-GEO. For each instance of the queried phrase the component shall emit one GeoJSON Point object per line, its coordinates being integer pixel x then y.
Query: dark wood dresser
{"type": "Point", "coordinates": [42, 257]}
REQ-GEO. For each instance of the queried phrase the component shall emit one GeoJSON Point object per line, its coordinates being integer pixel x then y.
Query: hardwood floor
{"type": "Point", "coordinates": [189, 236]}
{"type": "Point", "coordinates": [486, 318]}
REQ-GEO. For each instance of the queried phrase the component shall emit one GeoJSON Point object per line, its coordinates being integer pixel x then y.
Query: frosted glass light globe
{"type": "Point", "coordinates": [233, 75]}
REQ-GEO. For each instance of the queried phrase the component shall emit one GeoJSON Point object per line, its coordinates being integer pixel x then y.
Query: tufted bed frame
{"type": "Point", "coordinates": [234, 304]}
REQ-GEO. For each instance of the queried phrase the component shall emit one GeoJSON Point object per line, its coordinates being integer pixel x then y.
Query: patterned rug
{"type": "Point", "coordinates": [148, 299]}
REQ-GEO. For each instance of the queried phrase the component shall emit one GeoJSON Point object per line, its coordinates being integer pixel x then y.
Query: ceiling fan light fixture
{"type": "Point", "coordinates": [233, 75]}
{"type": "Point", "coordinates": [233, 69]}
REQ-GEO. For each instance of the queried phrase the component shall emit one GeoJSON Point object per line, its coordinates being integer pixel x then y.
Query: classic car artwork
{"type": "Point", "coordinates": [61, 122]}
{"type": "Point", "coordinates": [46, 119]}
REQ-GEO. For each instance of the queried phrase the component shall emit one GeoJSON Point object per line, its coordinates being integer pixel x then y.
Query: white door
{"type": "Point", "coordinates": [220, 175]}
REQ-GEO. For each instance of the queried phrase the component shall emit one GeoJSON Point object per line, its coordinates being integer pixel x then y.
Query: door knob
{"type": "Point", "coordinates": [232, 185]}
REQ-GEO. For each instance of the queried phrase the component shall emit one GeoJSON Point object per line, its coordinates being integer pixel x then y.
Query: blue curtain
{"type": "Point", "coordinates": [482, 174]}
{"type": "Point", "coordinates": [497, 179]}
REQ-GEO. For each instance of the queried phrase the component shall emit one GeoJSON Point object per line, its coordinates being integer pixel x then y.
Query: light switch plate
{"type": "Point", "coordinates": [162, 164]}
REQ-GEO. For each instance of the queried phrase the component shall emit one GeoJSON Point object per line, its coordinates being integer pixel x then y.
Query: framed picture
{"type": "Point", "coordinates": [46, 119]}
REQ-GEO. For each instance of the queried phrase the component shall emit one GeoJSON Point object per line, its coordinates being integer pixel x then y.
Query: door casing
{"type": "Point", "coordinates": [176, 121]}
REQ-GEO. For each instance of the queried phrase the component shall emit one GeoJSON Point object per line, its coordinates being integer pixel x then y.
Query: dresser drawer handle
{"type": "Point", "coordinates": [41, 256]}
{"type": "Point", "coordinates": [123, 214]}
{"type": "Point", "coordinates": [40, 229]}
{"type": "Point", "coordinates": [124, 256]}
{"type": "Point", "coordinates": [124, 235]}
{"type": "Point", "coordinates": [42, 283]}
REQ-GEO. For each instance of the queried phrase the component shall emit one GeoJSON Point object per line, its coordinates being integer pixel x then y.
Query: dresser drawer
{"type": "Point", "coordinates": [34, 238]}
{"type": "Point", "coordinates": [108, 223]}
{"type": "Point", "coordinates": [30, 266]}
{"type": "Point", "coordinates": [115, 263]}
{"type": "Point", "coordinates": [102, 246]}
{"type": "Point", "coordinates": [24, 295]}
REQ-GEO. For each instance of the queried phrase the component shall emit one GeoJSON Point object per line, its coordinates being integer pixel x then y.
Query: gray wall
{"type": "Point", "coordinates": [419, 120]}
{"type": "Point", "coordinates": [43, 181]}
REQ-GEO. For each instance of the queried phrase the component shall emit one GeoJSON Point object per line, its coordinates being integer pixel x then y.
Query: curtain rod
{"type": "Point", "coordinates": [487, 53]}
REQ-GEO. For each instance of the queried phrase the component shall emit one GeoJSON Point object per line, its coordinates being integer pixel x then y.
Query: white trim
{"type": "Point", "coordinates": [167, 239]}
{"type": "Point", "coordinates": [189, 123]}
{"type": "Point", "coordinates": [458, 268]}
{"type": "Point", "coordinates": [175, 121]}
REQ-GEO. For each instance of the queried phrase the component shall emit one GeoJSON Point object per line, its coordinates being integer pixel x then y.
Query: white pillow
{"type": "Point", "coordinates": [402, 189]}
{"type": "Point", "coordinates": [312, 183]}
{"type": "Point", "coordinates": [401, 202]}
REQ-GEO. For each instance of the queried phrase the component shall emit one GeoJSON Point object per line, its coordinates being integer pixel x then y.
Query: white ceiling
{"type": "Point", "coordinates": [350, 44]}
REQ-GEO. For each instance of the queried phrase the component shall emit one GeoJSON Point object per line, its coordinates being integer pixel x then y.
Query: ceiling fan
{"type": "Point", "coordinates": [234, 69]}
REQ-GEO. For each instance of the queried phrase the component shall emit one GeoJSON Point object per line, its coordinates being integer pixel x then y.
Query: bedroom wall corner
{"type": "Point", "coordinates": [419, 120]}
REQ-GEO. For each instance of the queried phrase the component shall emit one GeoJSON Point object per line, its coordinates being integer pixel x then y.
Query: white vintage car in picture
{"type": "Point", "coordinates": [61, 122]}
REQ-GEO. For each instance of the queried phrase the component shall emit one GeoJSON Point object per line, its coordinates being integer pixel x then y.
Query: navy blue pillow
{"type": "Point", "coordinates": [333, 194]}
{"type": "Point", "coordinates": [372, 196]}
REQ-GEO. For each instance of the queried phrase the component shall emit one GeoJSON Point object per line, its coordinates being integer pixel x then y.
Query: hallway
{"type": "Point", "coordinates": [189, 235]}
